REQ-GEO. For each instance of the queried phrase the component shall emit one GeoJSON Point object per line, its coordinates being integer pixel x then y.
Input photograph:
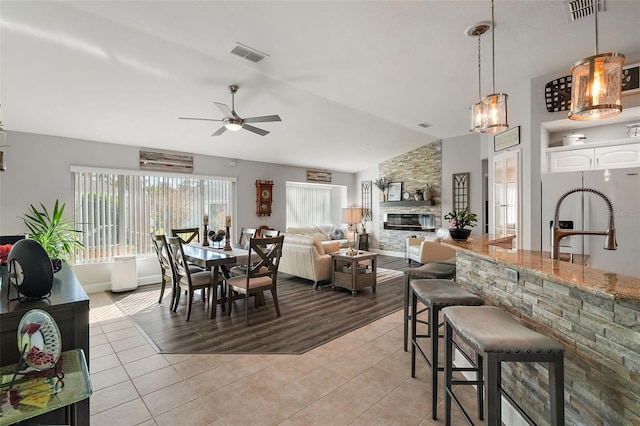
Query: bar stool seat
{"type": "Point", "coordinates": [444, 270]}
{"type": "Point", "coordinates": [497, 337]}
{"type": "Point", "coordinates": [435, 294]}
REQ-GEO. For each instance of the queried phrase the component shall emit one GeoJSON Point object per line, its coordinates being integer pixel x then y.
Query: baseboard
{"type": "Point", "coordinates": [106, 286]}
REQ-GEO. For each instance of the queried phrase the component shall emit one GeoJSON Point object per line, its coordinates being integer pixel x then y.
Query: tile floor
{"type": "Point", "coordinates": [362, 378]}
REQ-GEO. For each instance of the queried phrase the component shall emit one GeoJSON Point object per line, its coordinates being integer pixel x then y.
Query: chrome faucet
{"type": "Point", "coordinates": [557, 234]}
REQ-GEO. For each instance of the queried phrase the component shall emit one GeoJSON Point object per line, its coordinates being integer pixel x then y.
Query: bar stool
{"type": "Point", "coordinates": [445, 270]}
{"type": "Point", "coordinates": [435, 294]}
{"type": "Point", "coordinates": [496, 337]}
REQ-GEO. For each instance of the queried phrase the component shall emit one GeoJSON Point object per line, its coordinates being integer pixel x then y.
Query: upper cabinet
{"type": "Point", "coordinates": [594, 156]}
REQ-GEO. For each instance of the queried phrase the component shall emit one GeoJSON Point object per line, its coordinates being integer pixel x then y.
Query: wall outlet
{"type": "Point", "coordinates": [512, 274]}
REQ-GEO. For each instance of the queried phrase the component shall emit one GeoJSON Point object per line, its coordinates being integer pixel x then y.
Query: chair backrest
{"type": "Point", "coordinates": [269, 250]}
{"type": "Point", "coordinates": [178, 260]}
{"type": "Point", "coordinates": [187, 235]}
{"type": "Point", "coordinates": [245, 235]}
{"type": "Point", "coordinates": [162, 251]}
{"type": "Point", "coordinates": [269, 233]}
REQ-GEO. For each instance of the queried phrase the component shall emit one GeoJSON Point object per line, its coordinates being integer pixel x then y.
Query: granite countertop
{"type": "Point", "coordinates": [609, 285]}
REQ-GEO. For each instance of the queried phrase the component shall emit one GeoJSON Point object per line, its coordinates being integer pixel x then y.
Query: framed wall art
{"type": "Point", "coordinates": [395, 191]}
{"type": "Point", "coordinates": [507, 139]}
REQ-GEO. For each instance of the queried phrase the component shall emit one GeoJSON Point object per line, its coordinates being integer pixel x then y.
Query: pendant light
{"type": "Point", "coordinates": [476, 109]}
{"type": "Point", "coordinates": [494, 106]}
{"type": "Point", "coordinates": [596, 83]}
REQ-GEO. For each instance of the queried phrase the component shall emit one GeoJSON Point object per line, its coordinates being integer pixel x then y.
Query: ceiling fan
{"type": "Point", "coordinates": [233, 121]}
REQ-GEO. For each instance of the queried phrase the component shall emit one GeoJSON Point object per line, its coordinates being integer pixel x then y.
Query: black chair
{"type": "Point", "coordinates": [260, 276]}
{"type": "Point", "coordinates": [166, 268]}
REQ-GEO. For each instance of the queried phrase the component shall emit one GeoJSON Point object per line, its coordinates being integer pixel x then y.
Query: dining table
{"type": "Point", "coordinates": [215, 260]}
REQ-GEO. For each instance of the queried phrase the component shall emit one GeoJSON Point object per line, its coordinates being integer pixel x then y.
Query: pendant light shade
{"type": "Point", "coordinates": [596, 87]}
{"type": "Point", "coordinates": [494, 106]}
{"type": "Point", "coordinates": [494, 113]}
{"type": "Point", "coordinates": [596, 83]}
{"type": "Point", "coordinates": [476, 109]}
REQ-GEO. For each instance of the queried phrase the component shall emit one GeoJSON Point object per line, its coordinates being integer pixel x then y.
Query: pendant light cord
{"type": "Point", "coordinates": [493, 48]}
{"type": "Point", "coordinates": [596, 18]}
{"type": "Point", "coordinates": [479, 69]}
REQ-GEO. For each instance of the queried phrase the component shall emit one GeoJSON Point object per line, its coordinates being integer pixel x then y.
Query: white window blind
{"type": "Point", "coordinates": [308, 205]}
{"type": "Point", "coordinates": [117, 212]}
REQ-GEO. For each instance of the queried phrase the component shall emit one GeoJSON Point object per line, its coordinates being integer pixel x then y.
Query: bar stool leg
{"type": "Point", "coordinates": [556, 389]}
{"type": "Point", "coordinates": [414, 305]}
{"type": "Point", "coordinates": [433, 330]}
{"type": "Point", "coordinates": [493, 382]}
{"type": "Point", "coordinates": [406, 310]}
{"type": "Point", "coordinates": [480, 390]}
{"type": "Point", "coordinates": [448, 371]}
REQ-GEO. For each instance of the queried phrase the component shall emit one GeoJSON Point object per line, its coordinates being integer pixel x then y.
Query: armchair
{"type": "Point", "coordinates": [424, 251]}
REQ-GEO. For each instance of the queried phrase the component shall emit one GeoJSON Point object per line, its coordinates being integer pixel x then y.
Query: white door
{"type": "Point", "coordinates": [506, 194]}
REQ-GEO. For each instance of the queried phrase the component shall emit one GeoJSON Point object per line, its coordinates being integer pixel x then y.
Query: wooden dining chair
{"type": "Point", "coordinates": [260, 276]}
{"type": "Point", "coordinates": [269, 233]}
{"type": "Point", "coordinates": [245, 235]}
{"type": "Point", "coordinates": [185, 279]}
{"type": "Point", "coordinates": [166, 268]}
{"type": "Point", "coordinates": [187, 235]}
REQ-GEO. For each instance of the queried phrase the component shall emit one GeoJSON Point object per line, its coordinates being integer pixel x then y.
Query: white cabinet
{"type": "Point", "coordinates": [614, 157]}
{"type": "Point", "coordinates": [506, 195]}
{"type": "Point", "coordinates": [600, 156]}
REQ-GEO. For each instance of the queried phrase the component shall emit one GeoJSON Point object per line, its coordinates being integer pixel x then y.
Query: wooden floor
{"type": "Point", "coordinates": [309, 318]}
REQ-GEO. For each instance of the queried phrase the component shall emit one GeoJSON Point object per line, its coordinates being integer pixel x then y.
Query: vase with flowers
{"type": "Point", "coordinates": [383, 185]}
{"type": "Point", "coordinates": [459, 221]}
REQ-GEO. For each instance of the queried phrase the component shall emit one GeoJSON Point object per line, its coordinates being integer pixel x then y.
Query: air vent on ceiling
{"type": "Point", "coordinates": [425, 125]}
{"type": "Point", "coordinates": [578, 9]}
{"type": "Point", "coordinates": [249, 53]}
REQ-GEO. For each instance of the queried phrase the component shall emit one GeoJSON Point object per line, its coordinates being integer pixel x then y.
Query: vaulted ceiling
{"type": "Point", "coordinates": [351, 80]}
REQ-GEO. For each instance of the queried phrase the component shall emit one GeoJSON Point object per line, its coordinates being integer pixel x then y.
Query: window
{"type": "Point", "coordinates": [117, 210]}
{"type": "Point", "coordinates": [308, 204]}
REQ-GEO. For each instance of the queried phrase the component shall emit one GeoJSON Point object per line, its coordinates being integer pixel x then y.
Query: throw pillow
{"type": "Point", "coordinates": [331, 247]}
{"type": "Point", "coordinates": [337, 234]}
{"type": "Point", "coordinates": [319, 247]}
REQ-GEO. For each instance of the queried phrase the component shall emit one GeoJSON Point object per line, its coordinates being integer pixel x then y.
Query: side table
{"type": "Point", "coordinates": [348, 272]}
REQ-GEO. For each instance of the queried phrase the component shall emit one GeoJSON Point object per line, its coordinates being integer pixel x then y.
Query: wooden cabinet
{"type": "Point", "coordinates": [69, 307]}
{"type": "Point", "coordinates": [604, 155]}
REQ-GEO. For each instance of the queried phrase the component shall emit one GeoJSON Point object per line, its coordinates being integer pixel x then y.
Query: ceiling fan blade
{"type": "Point", "coordinates": [262, 119]}
{"type": "Point", "coordinates": [255, 130]}
{"type": "Point", "coordinates": [193, 118]}
{"type": "Point", "coordinates": [225, 110]}
{"type": "Point", "coordinates": [219, 131]}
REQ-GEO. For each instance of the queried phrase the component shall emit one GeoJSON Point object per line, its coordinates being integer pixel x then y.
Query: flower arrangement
{"type": "Point", "coordinates": [382, 183]}
{"type": "Point", "coordinates": [460, 219]}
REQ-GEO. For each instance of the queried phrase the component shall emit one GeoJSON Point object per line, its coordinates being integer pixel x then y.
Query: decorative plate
{"type": "Point", "coordinates": [39, 340]}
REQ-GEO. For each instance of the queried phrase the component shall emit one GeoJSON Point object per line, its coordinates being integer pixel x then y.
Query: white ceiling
{"type": "Point", "coordinates": [351, 80]}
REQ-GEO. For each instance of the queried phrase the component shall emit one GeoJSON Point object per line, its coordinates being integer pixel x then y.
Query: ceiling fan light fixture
{"type": "Point", "coordinates": [596, 83]}
{"type": "Point", "coordinates": [233, 124]}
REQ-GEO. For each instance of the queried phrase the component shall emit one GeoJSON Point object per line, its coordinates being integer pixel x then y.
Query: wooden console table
{"type": "Point", "coordinates": [345, 272]}
{"type": "Point", "coordinates": [69, 306]}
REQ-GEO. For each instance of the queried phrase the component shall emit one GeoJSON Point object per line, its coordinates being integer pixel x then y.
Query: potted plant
{"type": "Point", "coordinates": [55, 234]}
{"type": "Point", "coordinates": [460, 220]}
{"type": "Point", "coordinates": [383, 184]}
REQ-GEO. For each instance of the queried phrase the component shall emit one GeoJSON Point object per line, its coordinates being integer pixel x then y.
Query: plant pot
{"type": "Point", "coordinates": [459, 234]}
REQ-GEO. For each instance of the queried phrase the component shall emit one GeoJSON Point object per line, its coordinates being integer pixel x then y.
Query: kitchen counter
{"type": "Point", "coordinates": [595, 314]}
{"type": "Point", "coordinates": [621, 288]}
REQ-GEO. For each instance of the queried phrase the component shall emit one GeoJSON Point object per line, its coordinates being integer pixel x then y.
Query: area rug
{"type": "Point", "coordinates": [309, 318]}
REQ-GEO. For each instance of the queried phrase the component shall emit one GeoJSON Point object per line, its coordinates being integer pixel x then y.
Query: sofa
{"type": "Point", "coordinates": [428, 250]}
{"type": "Point", "coordinates": [307, 257]}
{"type": "Point", "coordinates": [324, 233]}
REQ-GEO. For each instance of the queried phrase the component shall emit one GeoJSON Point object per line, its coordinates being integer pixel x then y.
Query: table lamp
{"type": "Point", "coordinates": [351, 216]}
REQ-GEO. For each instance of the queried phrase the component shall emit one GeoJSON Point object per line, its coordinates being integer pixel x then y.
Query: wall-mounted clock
{"type": "Point", "coordinates": [264, 197]}
{"type": "Point", "coordinates": [633, 130]}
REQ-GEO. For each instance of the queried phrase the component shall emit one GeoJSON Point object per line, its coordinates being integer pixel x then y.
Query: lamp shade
{"type": "Point", "coordinates": [494, 113]}
{"type": "Point", "coordinates": [596, 87]}
{"type": "Point", "coordinates": [476, 117]}
{"type": "Point", "coordinates": [351, 215]}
